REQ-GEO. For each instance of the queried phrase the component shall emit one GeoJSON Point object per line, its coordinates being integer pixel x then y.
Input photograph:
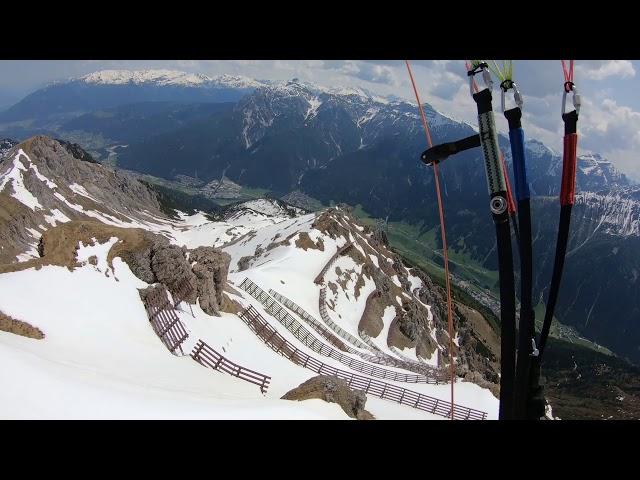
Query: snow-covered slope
{"type": "Point", "coordinates": [287, 255]}
{"type": "Point", "coordinates": [595, 165]}
{"type": "Point", "coordinates": [101, 359]}
{"type": "Point", "coordinates": [615, 213]}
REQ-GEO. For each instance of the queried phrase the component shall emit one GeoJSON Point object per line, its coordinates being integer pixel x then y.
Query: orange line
{"type": "Point", "coordinates": [443, 234]}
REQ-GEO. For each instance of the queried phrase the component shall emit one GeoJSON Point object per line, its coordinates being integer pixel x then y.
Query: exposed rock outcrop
{"type": "Point", "coordinates": [18, 327]}
{"type": "Point", "coordinates": [480, 380]}
{"type": "Point", "coordinates": [421, 325]}
{"type": "Point", "coordinates": [326, 223]}
{"type": "Point", "coordinates": [211, 268]}
{"type": "Point", "coordinates": [53, 182]}
{"type": "Point", "coordinates": [139, 260]}
{"type": "Point", "coordinates": [335, 390]}
{"type": "Point", "coordinates": [150, 257]}
{"type": "Point", "coordinates": [170, 266]}
{"type": "Point", "coordinates": [245, 262]}
{"type": "Point", "coordinates": [59, 245]}
{"type": "Point", "coordinates": [304, 241]}
{"type": "Point", "coordinates": [114, 192]}
{"type": "Point", "coordinates": [205, 268]}
{"type": "Point", "coordinates": [476, 353]}
{"type": "Point", "coordinates": [413, 322]}
{"type": "Point", "coordinates": [230, 305]}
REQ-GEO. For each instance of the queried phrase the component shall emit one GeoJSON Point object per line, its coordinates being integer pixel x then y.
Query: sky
{"type": "Point", "coordinates": [609, 118]}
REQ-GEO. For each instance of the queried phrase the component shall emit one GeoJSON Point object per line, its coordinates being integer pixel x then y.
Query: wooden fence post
{"type": "Point", "coordinates": [197, 354]}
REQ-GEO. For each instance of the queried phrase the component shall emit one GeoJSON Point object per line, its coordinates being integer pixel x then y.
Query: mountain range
{"type": "Point", "coordinates": [341, 145]}
{"type": "Point", "coordinates": [112, 88]}
{"type": "Point", "coordinates": [88, 253]}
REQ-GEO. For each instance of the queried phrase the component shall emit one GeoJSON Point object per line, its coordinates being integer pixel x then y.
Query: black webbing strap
{"type": "Point", "coordinates": [558, 266]}
{"type": "Point", "coordinates": [570, 122]}
{"type": "Point", "coordinates": [570, 127]}
{"type": "Point", "coordinates": [536, 403]}
{"type": "Point", "coordinates": [438, 153]}
{"type": "Point", "coordinates": [483, 100]}
{"type": "Point", "coordinates": [514, 116]}
{"type": "Point", "coordinates": [527, 316]}
{"type": "Point", "coordinates": [507, 321]}
{"type": "Point", "coordinates": [499, 211]}
{"type": "Point", "coordinates": [526, 329]}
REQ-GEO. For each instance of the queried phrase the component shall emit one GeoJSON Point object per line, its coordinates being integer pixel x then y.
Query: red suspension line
{"type": "Point", "coordinates": [443, 234]}
{"type": "Point", "coordinates": [568, 71]}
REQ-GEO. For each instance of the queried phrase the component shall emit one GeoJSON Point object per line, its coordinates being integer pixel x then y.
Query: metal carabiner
{"type": "Point", "coordinates": [516, 94]}
{"type": "Point", "coordinates": [534, 350]}
{"type": "Point", "coordinates": [486, 76]}
{"type": "Point", "coordinates": [577, 101]}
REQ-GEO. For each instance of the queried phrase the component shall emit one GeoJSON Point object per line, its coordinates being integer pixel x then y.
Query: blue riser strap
{"type": "Point", "coordinates": [516, 137]}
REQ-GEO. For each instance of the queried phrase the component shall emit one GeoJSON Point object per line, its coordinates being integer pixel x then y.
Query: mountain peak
{"type": "Point", "coordinates": [596, 166]}
{"type": "Point", "coordinates": [48, 181]}
{"type": "Point", "coordinates": [164, 77]}
{"type": "Point", "coordinates": [35, 141]}
{"type": "Point", "coordinates": [539, 148]}
{"type": "Point", "coordinates": [237, 81]}
{"type": "Point", "coordinates": [161, 77]}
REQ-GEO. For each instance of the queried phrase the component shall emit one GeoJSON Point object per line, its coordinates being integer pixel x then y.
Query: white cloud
{"type": "Point", "coordinates": [370, 72]}
{"type": "Point", "coordinates": [612, 130]}
{"type": "Point", "coordinates": [601, 69]}
{"type": "Point", "coordinates": [605, 125]}
{"type": "Point", "coordinates": [609, 125]}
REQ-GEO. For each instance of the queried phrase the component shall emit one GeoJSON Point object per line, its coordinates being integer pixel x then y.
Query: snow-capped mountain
{"type": "Point", "coordinates": [104, 247]}
{"type": "Point", "coordinates": [306, 128]}
{"type": "Point", "coordinates": [601, 275]}
{"type": "Point", "coordinates": [167, 77]}
{"type": "Point", "coordinates": [616, 212]}
{"type": "Point", "coordinates": [112, 88]}
{"type": "Point", "coordinates": [353, 149]}
{"type": "Point", "coordinates": [345, 120]}
{"type": "Point", "coordinates": [159, 77]}
{"type": "Point", "coordinates": [298, 126]}
{"type": "Point", "coordinates": [44, 182]}
{"type": "Point", "coordinates": [599, 172]}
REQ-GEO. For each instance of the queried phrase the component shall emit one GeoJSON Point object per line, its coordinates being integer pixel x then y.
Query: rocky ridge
{"type": "Point", "coordinates": [420, 320]}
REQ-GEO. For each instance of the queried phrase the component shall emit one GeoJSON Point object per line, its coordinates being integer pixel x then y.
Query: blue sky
{"type": "Point", "coordinates": [609, 122]}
